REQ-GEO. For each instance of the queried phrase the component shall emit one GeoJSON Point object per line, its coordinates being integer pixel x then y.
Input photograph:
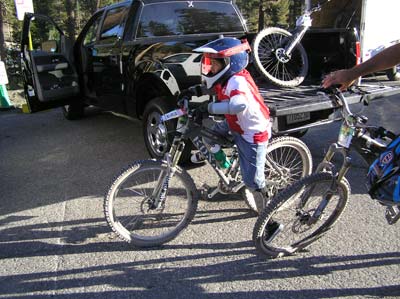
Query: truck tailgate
{"type": "Point", "coordinates": [294, 103]}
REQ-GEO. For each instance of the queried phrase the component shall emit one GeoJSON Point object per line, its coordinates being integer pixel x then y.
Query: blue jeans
{"type": "Point", "coordinates": [252, 157]}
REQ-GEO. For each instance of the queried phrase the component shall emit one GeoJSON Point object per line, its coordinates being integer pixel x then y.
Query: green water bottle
{"type": "Point", "coordinates": [220, 156]}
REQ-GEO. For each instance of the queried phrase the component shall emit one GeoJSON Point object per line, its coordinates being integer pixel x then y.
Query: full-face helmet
{"type": "Point", "coordinates": [231, 52]}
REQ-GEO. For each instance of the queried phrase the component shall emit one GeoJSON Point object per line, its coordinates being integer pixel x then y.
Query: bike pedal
{"type": "Point", "coordinates": [392, 214]}
{"type": "Point", "coordinates": [207, 192]}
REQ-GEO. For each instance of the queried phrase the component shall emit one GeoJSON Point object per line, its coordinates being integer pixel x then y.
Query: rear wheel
{"type": "Point", "coordinates": [294, 160]}
{"type": "Point", "coordinates": [293, 209]}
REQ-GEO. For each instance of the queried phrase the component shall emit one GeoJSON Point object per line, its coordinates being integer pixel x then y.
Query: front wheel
{"type": "Point", "coordinates": [129, 204]}
{"type": "Point", "coordinates": [292, 160]}
{"type": "Point", "coordinates": [292, 210]}
{"type": "Point", "coordinates": [286, 70]}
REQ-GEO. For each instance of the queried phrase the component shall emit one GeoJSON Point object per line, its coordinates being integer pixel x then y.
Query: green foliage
{"type": "Point", "coordinates": [249, 9]}
{"type": "Point", "coordinates": [10, 19]}
{"type": "Point", "coordinates": [280, 12]}
{"type": "Point", "coordinates": [72, 15]}
{"type": "Point", "coordinates": [273, 12]}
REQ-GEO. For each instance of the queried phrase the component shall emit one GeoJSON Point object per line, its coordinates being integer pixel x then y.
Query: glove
{"type": "Point", "coordinates": [203, 107]}
{"type": "Point", "coordinates": [201, 112]}
{"type": "Point", "coordinates": [194, 91]}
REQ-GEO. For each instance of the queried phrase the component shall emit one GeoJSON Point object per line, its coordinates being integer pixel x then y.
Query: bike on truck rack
{"type": "Point", "coordinates": [278, 53]}
{"type": "Point", "coordinates": [151, 201]}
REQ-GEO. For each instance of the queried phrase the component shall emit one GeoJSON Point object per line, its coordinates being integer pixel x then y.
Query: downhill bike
{"type": "Point", "coordinates": [307, 209]}
{"type": "Point", "coordinates": [279, 55]}
{"type": "Point", "coordinates": [151, 201]}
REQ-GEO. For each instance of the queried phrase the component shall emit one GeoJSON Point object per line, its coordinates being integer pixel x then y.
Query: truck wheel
{"type": "Point", "coordinates": [393, 73]}
{"type": "Point", "coordinates": [158, 136]}
{"type": "Point", "coordinates": [73, 111]}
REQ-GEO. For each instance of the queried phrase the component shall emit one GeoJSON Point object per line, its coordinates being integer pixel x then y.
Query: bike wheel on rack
{"type": "Point", "coordinates": [128, 204]}
{"type": "Point", "coordinates": [294, 160]}
{"type": "Point", "coordinates": [268, 48]}
{"type": "Point", "coordinates": [291, 211]}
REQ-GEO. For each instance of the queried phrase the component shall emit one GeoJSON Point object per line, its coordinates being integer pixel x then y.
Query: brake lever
{"type": "Point", "coordinates": [364, 99]}
{"type": "Point", "coordinates": [183, 103]}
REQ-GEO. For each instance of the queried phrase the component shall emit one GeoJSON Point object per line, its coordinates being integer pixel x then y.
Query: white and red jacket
{"type": "Point", "coordinates": [253, 123]}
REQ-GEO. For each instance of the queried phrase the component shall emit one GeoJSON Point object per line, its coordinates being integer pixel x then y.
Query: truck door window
{"type": "Point", "coordinates": [45, 36]}
{"type": "Point", "coordinates": [113, 25]}
{"type": "Point", "coordinates": [91, 33]}
{"type": "Point", "coordinates": [177, 18]}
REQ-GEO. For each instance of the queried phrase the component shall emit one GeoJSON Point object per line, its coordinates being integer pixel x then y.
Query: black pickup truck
{"type": "Point", "coordinates": [134, 57]}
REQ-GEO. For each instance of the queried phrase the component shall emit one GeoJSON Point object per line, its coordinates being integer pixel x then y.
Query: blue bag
{"type": "Point", "coordinates": [383, 178]}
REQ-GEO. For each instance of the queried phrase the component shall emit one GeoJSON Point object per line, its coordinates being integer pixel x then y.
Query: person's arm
{"type": "Point", "coordinates": [386, 59]}
{"type": "Point", "coordinates": [235, 105]}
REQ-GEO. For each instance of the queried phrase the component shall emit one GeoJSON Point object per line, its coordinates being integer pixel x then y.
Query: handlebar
{"type": "Point", "coordinates": [335, 93]}
{"type": "Point", "coordinates": [371, 134]}
{"type": "Point", "coordinates": [185, 109]}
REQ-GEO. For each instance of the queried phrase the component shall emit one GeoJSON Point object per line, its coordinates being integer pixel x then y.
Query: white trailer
{"type": "Point", "coordinates": [377, 23]}
{"type": "Point", "coordinates": [379, 29]}
{"type": "Point", "coordinates": [379, 26]}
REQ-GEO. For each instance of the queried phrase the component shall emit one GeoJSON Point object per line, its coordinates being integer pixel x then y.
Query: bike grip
{"type": "Point", "coordinates": [180, 103]}
{"type": "Point", "coordinates": [386, 133]}
{"type": "Point", "coordinates": [333, 89]}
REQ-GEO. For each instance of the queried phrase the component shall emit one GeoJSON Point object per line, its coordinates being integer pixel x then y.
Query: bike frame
{"type": "Point", "coordinates": [189, 129]}
{"type": "Point", "coordinates": [303, 23]}
{"type": "Point", "coordinates": [358, 131]}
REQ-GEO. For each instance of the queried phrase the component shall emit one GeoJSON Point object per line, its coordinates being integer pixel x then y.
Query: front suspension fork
{"type": "Point", "coordinates": [171, 159]}
{"type": "Point", "coordinates": [337, 176]}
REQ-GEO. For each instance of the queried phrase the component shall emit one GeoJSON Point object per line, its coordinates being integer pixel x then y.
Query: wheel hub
{"type": "Point", "coordinates": [282, 56]}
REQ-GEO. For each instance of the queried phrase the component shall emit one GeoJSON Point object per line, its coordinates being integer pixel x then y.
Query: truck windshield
{"type": "Point", "coordinates": [178, 18]}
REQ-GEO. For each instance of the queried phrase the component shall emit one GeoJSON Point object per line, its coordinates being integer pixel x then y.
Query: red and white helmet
{"type": "Point", "coordinates": [230, 51]}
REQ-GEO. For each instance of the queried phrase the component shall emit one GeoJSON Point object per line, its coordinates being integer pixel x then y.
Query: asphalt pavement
{"type": "Point", "coordinates": [55, 243]}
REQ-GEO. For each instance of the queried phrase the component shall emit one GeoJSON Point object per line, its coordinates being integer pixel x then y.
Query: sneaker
{"type": "Point", "coordinates": [272, 229]}
{"type": "Point", "coordinates": [197, 158]}
{"type": "Point", "coordinates": [255, 200]}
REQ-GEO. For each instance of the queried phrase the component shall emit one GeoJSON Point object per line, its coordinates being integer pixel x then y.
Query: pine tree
{"type": "Point", "coordinates": [2, 45]}
{"type": "Point", "coordinates": [280, 15]}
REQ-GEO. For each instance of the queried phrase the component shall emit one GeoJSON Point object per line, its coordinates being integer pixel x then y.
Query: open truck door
{"type": "Point", "coordinates": [50, 78]}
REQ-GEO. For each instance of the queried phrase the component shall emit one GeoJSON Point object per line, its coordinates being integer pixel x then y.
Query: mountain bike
{"type": "Point", "coordinates": [151, 201]}
{"type": "Point", "coordinates": [304, 211]}
{"type": "Point", "coordinates": [278, 53]}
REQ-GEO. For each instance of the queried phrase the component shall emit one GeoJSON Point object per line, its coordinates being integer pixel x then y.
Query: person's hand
{"type": "Point", "coordinates": [344, 78]}
{"type": "Point", "coordinates": [194, 91]}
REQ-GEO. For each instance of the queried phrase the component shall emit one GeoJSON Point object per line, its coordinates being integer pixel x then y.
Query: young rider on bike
{"type": "Point", "coordinates": [246, 116]}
